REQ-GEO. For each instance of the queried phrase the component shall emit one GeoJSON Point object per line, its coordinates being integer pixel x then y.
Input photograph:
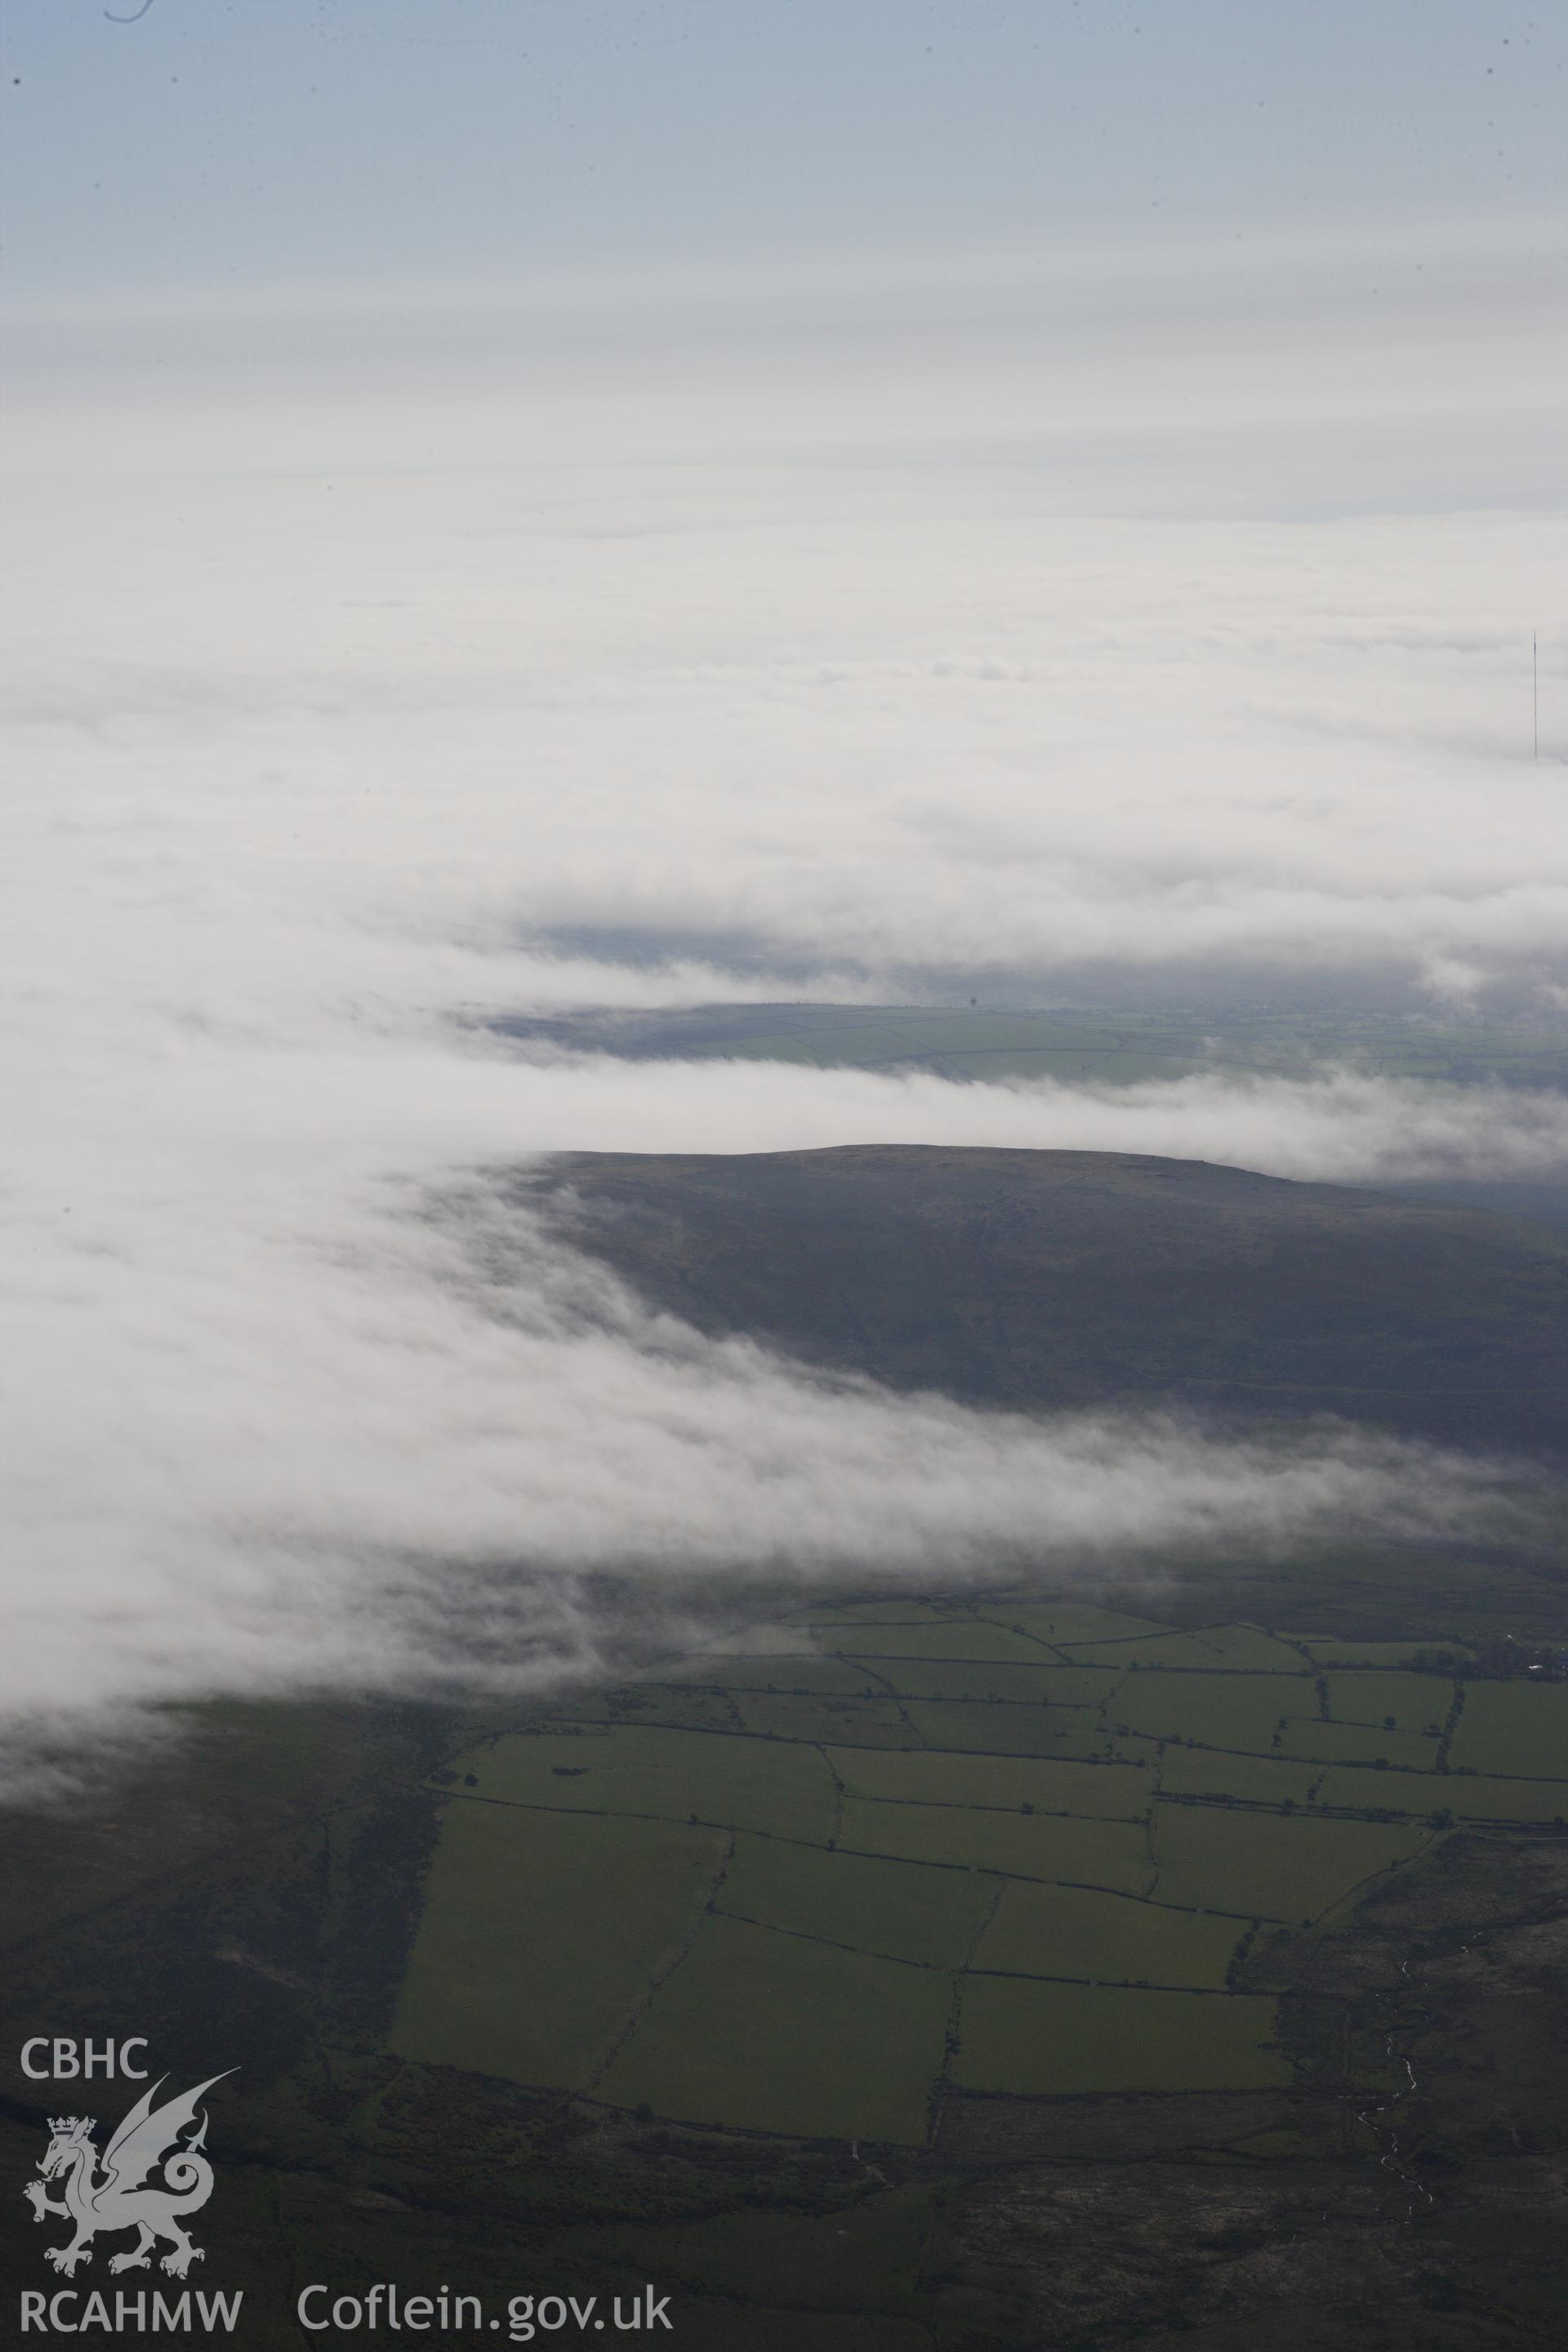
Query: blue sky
{"type": "Point", "coordinates": [293, 143]}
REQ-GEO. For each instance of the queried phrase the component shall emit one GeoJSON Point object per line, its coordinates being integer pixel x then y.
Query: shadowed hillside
{"type": "Point", "coordinates": [1067, 1278]}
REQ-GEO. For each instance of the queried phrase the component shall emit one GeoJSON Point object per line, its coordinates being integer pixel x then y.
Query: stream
{"type": "Point", "coordinates": [1416, 2190]}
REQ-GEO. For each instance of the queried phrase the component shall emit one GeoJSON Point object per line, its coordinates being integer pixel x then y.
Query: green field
{"type": "Point", "coordinates": [1408, 1703]}
{"type": "Point", "coordinates": [903, 1610]}
{"type": "Point", "coordinates": [1434, 1656]}
{"type": "Point", "coordinates": [1240, 1649]}
{"type": "Point", "coordinates": [1251, 1780]}
{"type": "Point", "coordinates": [1042, 1845]}
{"type": "Point", "coordinates": [753, 1784]}
{"type": "Point", "coordinates": [799, 1670]}
{"type": "Point", "coordinates": [1468, 1797]}
{"type": "Point", "coordinates": [1061, 1621]}
{"type": "Point", "coordinates": [540, 1934]}
{"type": "Point", "coordinates": [777, 2033]}
{"type": "Point", "coordinates": [1069, 1931]}
{"type": "Point", "coordinates": [1040, 1685]}
{"type": "Point", "coordinates": [1358, 1743]}
{"type": "Point", "coordinates": [1006, 1729]}
{"type": "Point", "coordinates": [895, 1909]}
{"type": "Point", "coordinates": [1514, 1728]}
{"type": "Point", "coordinates": [1063, 2040]}
{"type": "Point", "coordinates": [1108, 1791]}
{"type": "Point", "coordinates": [1264, 1865]}
{"type": "Point", "coordinates": [970, 1637]}
{"type": "Point", "coordinates": [1220, 1711]}
{"type": "Point", "coordinates": [785, 1715]}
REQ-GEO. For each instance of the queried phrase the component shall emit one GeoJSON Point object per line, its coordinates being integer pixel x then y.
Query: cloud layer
{"type": "Point", "coordinates": [788, 734]}
{"type": "Point", "coordinates": [1334, 1126]}
{"type": "Point", "coordinates": [275, 1424]}
{"type": "Point", "coordinates": [269, 1455]}
{"type": "Point", "coordinates": [315, 773]}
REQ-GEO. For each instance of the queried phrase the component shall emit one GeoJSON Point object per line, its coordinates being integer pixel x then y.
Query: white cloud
{"type": "Point", "coordinates": [253, 1452]}
{"type": "Point", "coordinates": [1309, 374]}
{"type": "Point", "coordinates": [1334, 1126]}
{"type": "Point", "coordinates": [310, 771]}
{"type": "Point", "coordinates": [270, 1428]}
{"type": "Point", "coordinates": [381, 735]}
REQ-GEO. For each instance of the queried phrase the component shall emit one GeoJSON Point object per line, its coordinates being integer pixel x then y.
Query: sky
{"type": "Point", "coordinates": [223, 144]}
{"type": "Point", "coordinates": [529, 507]}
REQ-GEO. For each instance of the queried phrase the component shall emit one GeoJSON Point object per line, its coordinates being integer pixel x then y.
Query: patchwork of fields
{"type": "Point", "coordinates": [897, 1848]}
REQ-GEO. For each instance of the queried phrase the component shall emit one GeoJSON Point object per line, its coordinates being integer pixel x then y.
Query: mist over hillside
{"type": "Point", "coordinates": [783, 1202]}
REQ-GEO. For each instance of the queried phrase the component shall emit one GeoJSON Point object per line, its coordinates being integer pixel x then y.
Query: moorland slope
{"type": "Point", "coordinates": [1063, 1279]}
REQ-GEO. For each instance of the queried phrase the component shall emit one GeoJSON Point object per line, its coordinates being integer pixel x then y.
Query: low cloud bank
{"type": "Point", "coordinates": [527, 739]}
{"type": "Point", "coordinates": [1335, 1126]}
{"type": "Point", "coordinates": [286, 1461]}
{"type": "Point", "coordinates": [276, 1423]}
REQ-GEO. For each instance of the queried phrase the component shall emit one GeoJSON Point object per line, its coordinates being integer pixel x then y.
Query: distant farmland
{"type": "Point", "coordinates": [908, 1849]}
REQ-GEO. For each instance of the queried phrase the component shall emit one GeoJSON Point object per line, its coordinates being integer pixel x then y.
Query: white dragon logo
{"type": "Point", "coordinates": [122, 2199]}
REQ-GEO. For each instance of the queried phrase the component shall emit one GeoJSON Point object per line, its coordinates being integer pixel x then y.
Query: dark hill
{"type": "Point", "coordinates": [1066, 1278]}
